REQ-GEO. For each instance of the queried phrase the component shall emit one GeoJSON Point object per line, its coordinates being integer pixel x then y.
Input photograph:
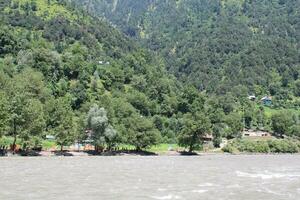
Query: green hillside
{"type": "Point", "coordinates": [56, 62]}
{"type": "Point", "coordinates": [71, 76]}
{"type": "Point", "coordinates": [218, 46]}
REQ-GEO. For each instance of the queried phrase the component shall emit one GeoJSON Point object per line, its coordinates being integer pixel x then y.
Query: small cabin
{"type": "Point", "coordinates": [252, 98]}
{"type": "Point", "coordinates": [50, 137]}
{"type": "Point", "coordinates": [267, 101]}
{"type": "Point", "coordinates": [207, 137]}
{"type": "Point", "coordinates": [207, 141]}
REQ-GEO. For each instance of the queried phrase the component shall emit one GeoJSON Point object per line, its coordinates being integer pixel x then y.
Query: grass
{"type": "Point", "coordinates": [7, 141]}
{"type": "Point", "coordinates": [47, 144]}
{"type": "Point", "coordinates": [259, 138]}
{"type": "Point", "coordinates": [48, 11]}
{"type": "Point", "coordinates": [271, 111]}
{"type": "Point", "coordinates": [163, 147]}
{"type": "Point", "coordinates": [156, 148]}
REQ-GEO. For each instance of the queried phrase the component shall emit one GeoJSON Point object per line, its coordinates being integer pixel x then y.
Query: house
{"type": "Point", "coordinates": [100, 62]}
{"type": "Point", "coordinates": [252, 97]}
{"type": "Point", "coordinates": [267, 101]}
{"type": "Point", "coordinates": [50, 137]}
{"type": "Point", "coordinates": [253, 133]}
{"type": "Point", "coordinates": [207, 137]}
{"type": "Point", "coordinates": [207, 141]}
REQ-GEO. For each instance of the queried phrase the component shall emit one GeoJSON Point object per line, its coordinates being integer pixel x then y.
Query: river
{"type": "Point", "coordinates": [211, 177]}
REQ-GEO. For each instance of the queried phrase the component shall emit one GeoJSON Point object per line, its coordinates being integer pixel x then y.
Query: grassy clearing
{"type": "Point", "coordinates": [164, 147]}
{"type": "Point", "coordinates": [271, 111]}
{"type": "Point", "coordinates": [156, 148]}
{"type": "Point", "coordinates": [47, 144]}
{"type": "Point", "coordinates": [7, 141]}
{"type": "Point", "coordinates": [48, 9]}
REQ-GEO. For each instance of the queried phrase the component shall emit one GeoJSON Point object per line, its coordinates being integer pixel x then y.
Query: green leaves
{"type": "Point", "coordinates": [282, 122]}
{"type": "Point", "coordinates": [102, 132]}
{"type": "Point", "coordinates": [141, 132]}
{"type": "Point", "coordinates": [235, 124]}
{"type": "Point", "coordinates": [4, 114]}
{"type": "Point", "coordinates": [195, 127]}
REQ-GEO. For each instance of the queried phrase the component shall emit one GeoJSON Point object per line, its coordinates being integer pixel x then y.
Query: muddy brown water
{"type": "Point", "coordinates": [212, 177]}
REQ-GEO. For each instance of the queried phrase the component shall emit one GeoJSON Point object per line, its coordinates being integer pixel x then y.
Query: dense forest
{"type": "Point", "coordinates": [239, 46]}
{"type": "Point", "coordinates": [67, 71]}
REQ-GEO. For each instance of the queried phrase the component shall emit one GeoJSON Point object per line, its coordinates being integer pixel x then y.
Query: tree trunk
{"type": "Point", "coordinates": [138, 149]}
{"type": "Point", "coordinates": [14, 144]}
{"type": "Point", "coordinates": [191, 148]}
{"type": "Point", "coordinates": [61, 148]}
{"type": "Point", "coordinates": [15, 138]}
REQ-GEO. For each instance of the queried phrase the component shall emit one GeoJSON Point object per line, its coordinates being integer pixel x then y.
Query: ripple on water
{"type": "Point", "coordinates": [266, 175]}
{"type": "Point", "coordinates": [165, 197]}
{"type": "Point", "coordinates": [199, 191]}
{"type": "Point", "coordinates": [207, 185]}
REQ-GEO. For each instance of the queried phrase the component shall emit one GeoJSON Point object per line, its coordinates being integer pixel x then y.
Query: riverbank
{"type": "Point", "coordinates": [244, 146]}
{"type": "Point", "coordinates": [52, 153]}
{"type": "Point", "coordinates": [131, 153]}
{"type": "Point", "coordinates": [93, 153]}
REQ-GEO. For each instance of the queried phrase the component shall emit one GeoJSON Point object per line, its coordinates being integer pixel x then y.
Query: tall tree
{"type": "Point", "coordinates": [64, 129]}
{"type": "Point", "coordinates": [195, 127]}
{"type": "Point", "coordinates": [102, 132]}
{"type": "Point", "coordinates": [4, 113]}
{"type": "Point", "coordinates": [142, 132]}
{"type": "Point", "coordinates": [26, 110]}
{"type": "Point", "coordinates": [235, 124]}
{"type": "Point", "coordinates": [282, 122]}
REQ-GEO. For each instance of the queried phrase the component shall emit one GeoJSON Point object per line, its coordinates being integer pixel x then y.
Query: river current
{"type": "Point", "coordinates": [209, 177]}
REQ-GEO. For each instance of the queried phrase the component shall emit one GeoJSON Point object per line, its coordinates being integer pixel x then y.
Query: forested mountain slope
{"type": "Point", "coordinates": [241, 46]}
{"type": "Point", "coordinates": [67, 74]}
{"type": "Point", "coordinates": [56, 62]}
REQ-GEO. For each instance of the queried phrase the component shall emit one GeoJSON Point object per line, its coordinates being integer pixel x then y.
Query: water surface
{"type": "Point", "coordinates": [218, 177]}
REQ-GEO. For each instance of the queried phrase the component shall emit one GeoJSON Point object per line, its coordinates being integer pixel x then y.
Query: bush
{"type": "Point", "coordinates": [230, 149]}
{"type": "Point", "coordinates": [270, 146]}
{"type": "Point", "coordinates": [284, 146]}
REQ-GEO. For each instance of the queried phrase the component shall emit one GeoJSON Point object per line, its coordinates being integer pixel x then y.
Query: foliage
{"type": "Point", "coordinates": [235, 125]}
{"type": "Point", "coordinates": [102, 132]}
{"type": "Point", "coordinates": [281, 122]}
{"type": "Point", "coordinates": [4, 114]}
{"type": "Point", "coordinates": [57, 61]}
{"type": "Point", "coordinates": [218, 46]}
{"type": "Point", "coordinates": [142, 132]}
{"type": "Point", "coordinates": [269, 146]}
{"type": "Point", "coordinates": [196, 127]}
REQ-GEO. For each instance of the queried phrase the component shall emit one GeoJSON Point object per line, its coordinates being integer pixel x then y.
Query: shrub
{"type": "Point", "coordinates": [270, 146]}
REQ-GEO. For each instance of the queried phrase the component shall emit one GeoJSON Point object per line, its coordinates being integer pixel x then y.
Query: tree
{"type": "Point", "coordinates": [33, 114]}
{"type": "Point", "coordinates": [281, 122]}
{"type": "Point", "coordinates": [26, 110]}
{"type": "Point", "coordinates": [248, 118]}
{"type": "Point", "coordinates": [8, 41]}
{"type": "Point", "coordinates": [297, 88]}
{"type": "Point", "coordinates": [4, 113]}
{"type": "Point", "coordinates": [102, 132]}
{"type": "Point", "coordinates": [141, 132]}
{"type": "Point", "coordinates": [64, 129]}
{"type": "Point", "coordinates": [295, 131]}
{"type": "Point", "coordinates": [218, 132]}
{"type": "Point", "coordinates": [27, 119]}
{"type": "Point", "coordinates": [235, 125]}
{"type": "Point", "coordinates": [195, 127]}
